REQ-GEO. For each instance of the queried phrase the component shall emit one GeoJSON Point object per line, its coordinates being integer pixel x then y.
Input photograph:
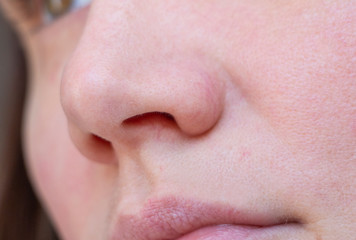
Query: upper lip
{"type": "Point", "coordinates": [173, 217]}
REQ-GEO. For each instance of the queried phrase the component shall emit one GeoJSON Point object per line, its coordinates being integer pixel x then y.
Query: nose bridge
{"type": "Point", "coordinates": [120, 28]}
{"type": "Point", "coordinates": [92, 82]}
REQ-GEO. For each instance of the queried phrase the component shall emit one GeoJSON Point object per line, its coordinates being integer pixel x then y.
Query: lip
{"type": "Point", "coordinates": [177, 218]}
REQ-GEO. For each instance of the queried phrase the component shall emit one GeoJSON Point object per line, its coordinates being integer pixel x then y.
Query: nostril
{"type": "Point", "coordinates": [99, 150]}
{"type": "Point", "coordinates": [150, 118]}
{"type": "Point", "coordinates": [92, 146]}
{"type": "Point", "coordinates": [100, 141]}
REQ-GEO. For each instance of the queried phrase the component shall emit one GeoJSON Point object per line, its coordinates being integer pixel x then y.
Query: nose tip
{"type": "Point", "coordinates": [99, 100]}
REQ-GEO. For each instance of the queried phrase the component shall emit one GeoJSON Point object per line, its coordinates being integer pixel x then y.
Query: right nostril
{"type": "Point", "coordinates": [100, 150]}
{"type": "Point", "coordinates": [92, 146]}
{"type": "Point", "coordinates": [100, 140]}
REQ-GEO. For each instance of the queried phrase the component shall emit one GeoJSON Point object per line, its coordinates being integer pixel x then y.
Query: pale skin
{"type": "Point", "coordinates": [263, 96]}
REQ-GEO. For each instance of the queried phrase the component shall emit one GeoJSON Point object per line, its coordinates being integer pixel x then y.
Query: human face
{"type": "Point", "coordinates": [155, 119]}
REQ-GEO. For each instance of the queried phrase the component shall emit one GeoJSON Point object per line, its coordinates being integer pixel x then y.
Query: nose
{"type": "Point", "coordinates": [125, 75]}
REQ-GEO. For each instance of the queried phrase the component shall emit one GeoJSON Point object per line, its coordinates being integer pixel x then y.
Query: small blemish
{"type": "Point", "coordinates": [245, 155]}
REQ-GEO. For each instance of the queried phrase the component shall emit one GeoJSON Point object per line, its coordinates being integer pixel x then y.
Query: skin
{"type": "Point", "coordinates": [263, 99]}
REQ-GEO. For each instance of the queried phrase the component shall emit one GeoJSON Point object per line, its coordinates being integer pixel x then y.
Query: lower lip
{"type": "Point", "coordinates": [220, 232]}
{"type": "Point", "coordinates": [239, 232]}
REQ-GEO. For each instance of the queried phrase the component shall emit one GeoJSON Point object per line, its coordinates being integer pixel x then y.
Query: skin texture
{"type": "Point", "coordinates": [263, 96]}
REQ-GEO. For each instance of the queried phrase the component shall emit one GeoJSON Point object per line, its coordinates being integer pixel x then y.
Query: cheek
{"type": "Point", "coordinates": [302, 79]}
{"type": "Point", "coordinates": [68, 184]}
{"type": "Point", "coordinates": [298, 73]}
{"type": "Point", "coordinates": [53, 169]}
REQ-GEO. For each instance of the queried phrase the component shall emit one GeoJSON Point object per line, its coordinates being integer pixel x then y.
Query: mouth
{"type": "Point", "coordinates": [180, 219]}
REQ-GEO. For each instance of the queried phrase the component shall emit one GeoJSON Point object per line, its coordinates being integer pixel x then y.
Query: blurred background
{"type": "Point", "coordinates": [21, 215]}
{"type": "Point", "coordinates": [12, 86]}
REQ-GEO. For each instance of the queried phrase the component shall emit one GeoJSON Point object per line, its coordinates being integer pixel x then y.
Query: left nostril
{"type": "Point", "coordinates": [150, 117]}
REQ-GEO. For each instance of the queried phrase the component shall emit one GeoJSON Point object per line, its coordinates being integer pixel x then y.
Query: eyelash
{"type": "Point", "coordinates": [69, 5]}
{"type": "Point", "coordinates": [28, 10]}
{"type": "Point", "coordinates": [55, 8]}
